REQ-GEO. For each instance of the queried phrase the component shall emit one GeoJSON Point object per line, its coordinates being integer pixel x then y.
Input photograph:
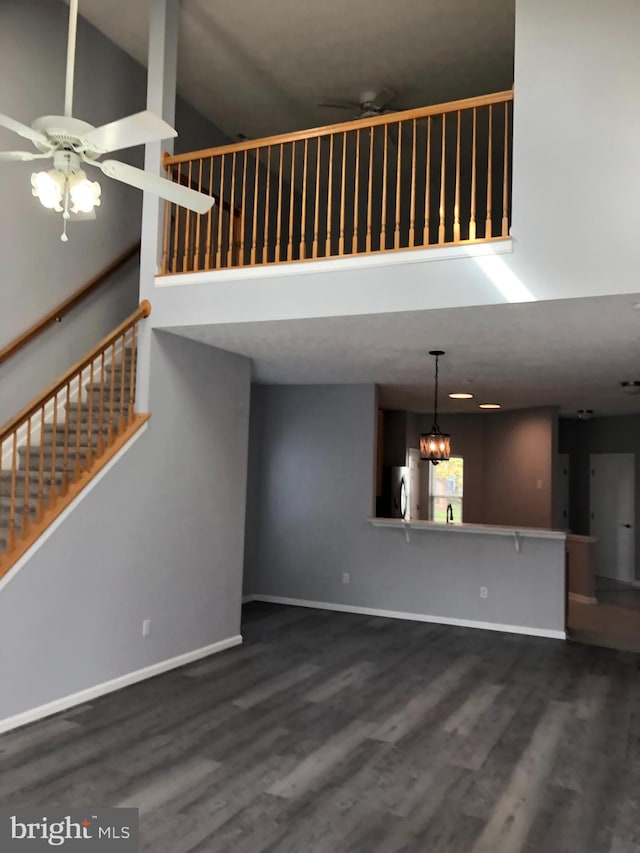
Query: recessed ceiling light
{"type": "Point", "coordinates": [461, 395]}
{"type": "Point", "coordinates": [489, 406]}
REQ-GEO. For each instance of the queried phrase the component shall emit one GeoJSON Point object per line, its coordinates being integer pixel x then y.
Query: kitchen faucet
{"type": "Point", "coordinates": [449, 514]}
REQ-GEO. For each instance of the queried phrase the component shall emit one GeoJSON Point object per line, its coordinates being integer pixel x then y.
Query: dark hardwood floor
{"type": "Point", "coordinates": [332, 733]}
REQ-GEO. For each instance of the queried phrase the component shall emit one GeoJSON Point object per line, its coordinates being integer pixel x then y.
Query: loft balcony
{"type": "Point", "coordinates": [430, 177]}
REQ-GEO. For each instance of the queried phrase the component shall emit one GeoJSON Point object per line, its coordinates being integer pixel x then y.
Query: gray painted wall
{"type": "Point", "coordinates": [160, 537]}
{"type": "Point", "coordinates": [508, 461]}
{"type": "Point", "coordinates": [39, 271]}
{"type": "Point", "coordinates": [312, 485]}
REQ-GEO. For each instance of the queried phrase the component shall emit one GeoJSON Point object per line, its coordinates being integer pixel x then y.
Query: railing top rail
{"type": "Point", "coordinates": [33, 331]}
{"type": "Point", "coordinates": [342, 127]}
{"type": "Point", "coordinates": [142, 311]}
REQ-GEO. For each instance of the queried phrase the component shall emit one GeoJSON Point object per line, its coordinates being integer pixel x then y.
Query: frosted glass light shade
{"type": "Point", "coordinates": [85, 194]}
{"type": "Point", "coordinates": [48, 187]}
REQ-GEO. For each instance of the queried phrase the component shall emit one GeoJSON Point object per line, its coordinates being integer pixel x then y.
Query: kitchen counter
{"type": "Point", "coordinates": [461, 527]}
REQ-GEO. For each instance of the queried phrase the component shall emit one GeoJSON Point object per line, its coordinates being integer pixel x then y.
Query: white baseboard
{"type": "Point", "coordinates": [91, 693]}
{"type": "Point", "coordinates": [248, 599]}
{"type": "Point", "coordinates": [415, 617]}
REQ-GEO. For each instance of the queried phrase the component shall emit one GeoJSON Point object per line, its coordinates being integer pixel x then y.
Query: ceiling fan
{"type": "Point", "coordinates": [371, 104]}
{"type": "Point", "coordinates": [72, 143]}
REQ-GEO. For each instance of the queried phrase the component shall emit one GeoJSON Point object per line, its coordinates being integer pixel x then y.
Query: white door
{"type": "Point", "coordinates": [413, 461]}
{"type": "Point", "coordinates": [612, 505]}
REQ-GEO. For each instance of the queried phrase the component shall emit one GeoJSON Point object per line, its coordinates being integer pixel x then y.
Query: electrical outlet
{"type": "Point", "coordinates": [484, 593]}
{"type": "Point", "coordinates": [146, 627]}
{"type": "Point", "coordinates": [346, 577]}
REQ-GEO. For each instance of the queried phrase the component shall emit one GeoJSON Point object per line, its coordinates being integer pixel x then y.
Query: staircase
{"type": "Point", "coordinates": [52, 449]}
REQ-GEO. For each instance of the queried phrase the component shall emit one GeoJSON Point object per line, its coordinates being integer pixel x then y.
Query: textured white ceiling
{"type": "Point", "coordinates": [260, 67]}
{"type": "Point", "coordinates": [570, 353]}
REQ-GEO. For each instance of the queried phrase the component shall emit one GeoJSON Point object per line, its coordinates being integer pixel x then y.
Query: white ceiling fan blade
{"type": "Point", "coordinates": [136, 129]}
{"type": "Point", "coordinates": [183, 196]}
{"type": "Point", "coordinates": [23, 130]}
{"type": "Point", "coordinates": [24, 156]}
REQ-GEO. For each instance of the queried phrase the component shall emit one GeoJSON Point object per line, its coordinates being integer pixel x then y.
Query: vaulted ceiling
{"type": "Point", "coordinates": [259, 68]}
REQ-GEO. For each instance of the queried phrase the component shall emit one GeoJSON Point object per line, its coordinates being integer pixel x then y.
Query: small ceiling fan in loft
{"type": "Point", "coordinates": [72, 143]}
{"type": "Point", "coordinates": [371, 104]}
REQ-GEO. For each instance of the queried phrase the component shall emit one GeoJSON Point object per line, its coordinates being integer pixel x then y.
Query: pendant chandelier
{"type": "Point", "coordinates": [435, 446]}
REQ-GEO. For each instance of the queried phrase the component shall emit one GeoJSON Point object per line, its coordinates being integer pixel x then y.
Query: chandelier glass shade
{"type": "Point", "coordinates": [57, 190]}
{"type": "Point", "coordinates": [435, 445]}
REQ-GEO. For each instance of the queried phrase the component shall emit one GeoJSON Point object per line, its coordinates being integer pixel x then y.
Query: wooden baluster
{"type": "Point", "coordinates": [426, 239]}
{"type": "Point", "coordinates": [65, 448]}
{"type": "Point", "coordinates": [372, 131]}
{"type": "Point", "coordinates": [342, 194]}
{"type": "Point", "coordinates": [356, 197]}
{"type": "Point", "coordinates": [54, 454]}
{"type": "Point", "coordinates": [303, 225]}
{"type": "Point", "coordinates": [11, 533]}
{"type": "Point", "coordinates": [265, 238]}
{"type": "Point", "coordinates": [383, 220]}
{"type": "Point", "coordinates": [277, 257]}
{"type": "Point", "coordinates": [121, 418]}
{"type": "Point", "coordinates": [292, 195]}
{"type": "Point", "coordinates": [317, 202]}
{"type": "Point", "coordinates": [176, 228]}
{"type": "Point", "coordinates": [488, 228]}
{"type": "Point", "coordinates": [396, 230]}
{"type": "Point", "coordinates": [443, 157]}
{"type": "Point", "coordinates": [412, 203]}
{"type": "Point", "coordinates": [167, 221]}
{"type": "Point", "coordinates": [327, 243]}
{"type": "Point", "coordinates": [232, 212]}
{"type": "Point", "coordinates": [505, 174]}
{"type": "Point", "coordinates": [132, 374]}
{"type": "Point", "coordinates": [101, 423]}
{"type": "Point", "coordinates": [76, 465]}
{"type": "Point", "coordinates": [210, 226]}
{"type": "Point", "coordinates": [218, 263]}
{"type": "Point", "coordinates": [89, 457]}
{"type": "Point", "coordinates": [40, 467]}
{"type": "Point", "coordinates": [472, 217]}
{"type": "Point", "coordinates": [244, 210]}
{"type": "Point", "coordinates": [110, 431]}
{"type": "Point", "coordinates": [26, 505]}
{"type": "Point", "coordinates": [187, 227]}
{"type": "Point", "coordinates": [256, 187]}
{"type": "Point", "coordinates": [456, 204]}
{"type": "Point", "coordinates": [198, 226]}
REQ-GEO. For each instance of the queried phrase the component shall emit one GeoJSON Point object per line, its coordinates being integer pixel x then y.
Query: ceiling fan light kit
{"type": "Point", "coordinates": [73, 143]}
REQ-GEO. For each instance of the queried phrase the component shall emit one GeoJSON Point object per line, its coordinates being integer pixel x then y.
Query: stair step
{"type": "Point", "coordinates": [46, 460]}
{"type": "Point", "coordinates": [83, 416]}
{"type": "Point", "coordinates": [32, 481]}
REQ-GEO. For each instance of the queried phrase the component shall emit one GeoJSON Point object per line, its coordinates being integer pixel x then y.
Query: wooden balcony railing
{"type": "Point", "coordinates": [433, 176]}
{"type": "Point", "coordinates": [51, 449]}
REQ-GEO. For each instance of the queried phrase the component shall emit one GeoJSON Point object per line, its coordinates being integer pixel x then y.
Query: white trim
{"type": "Point", "coordinates": [247, 599]}
{"type": "Point", "coordinates": [59, 520]}
{"type": "Point", "coordinates": [114, 684]}
{"type": "Point", "coordinates": [414, 617]}
{"type": "Point", "coordinates": [582, 599]}
{"type": "Point", "coordinates": [461, 527]}
{"type": "Point", "coordinates": [324, 265]}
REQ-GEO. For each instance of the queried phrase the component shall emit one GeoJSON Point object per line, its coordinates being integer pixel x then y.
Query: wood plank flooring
{"type": "Point", "coordinates": [336, 733]}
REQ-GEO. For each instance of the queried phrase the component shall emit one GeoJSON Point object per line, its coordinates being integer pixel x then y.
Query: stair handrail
{"type": "Point", "coordinates": [341, 127]}
{"type": "Point", "coordinates": [142, 311]}
{"type": "Point", "coordinates": [56, 314]}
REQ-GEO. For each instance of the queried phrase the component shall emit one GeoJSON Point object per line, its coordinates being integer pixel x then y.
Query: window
{"type": "Point", "coordinates": [445, 487]}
